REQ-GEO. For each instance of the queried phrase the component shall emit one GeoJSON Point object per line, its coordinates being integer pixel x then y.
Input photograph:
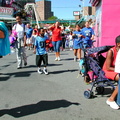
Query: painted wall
{"type": "Point", "coordinates": [110, 22]}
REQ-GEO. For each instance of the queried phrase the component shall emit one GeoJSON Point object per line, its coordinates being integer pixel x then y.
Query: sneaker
{"type": "Point", "coordinates": [45, 71]}
{"type": "Point", "coordinates": [19, 67]}
{"type": "Point", "coordinates": [56, 59]}
{"type": "Point", "coordinates": [75, 59]}
{"type": "Point", "coordinates": [39, 71]}
{"type": "Point", "coordinates": [59, 59]}
{"type": "Point", "coordinates": [25, 63]}
{"type": "Point", "coordinates": [112, 104]}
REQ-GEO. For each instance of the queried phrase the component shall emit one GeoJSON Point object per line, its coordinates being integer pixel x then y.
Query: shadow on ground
{"type": "Point", "coordinates": [35, 108]}
{"type": "Point", "coordinates": [68, 59]}
{"type": "Point", "coordinates": [62, 71]}
{"type": "Point", "coordinates": [7, 76]}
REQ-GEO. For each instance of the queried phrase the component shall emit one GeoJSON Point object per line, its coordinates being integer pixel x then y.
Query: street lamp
{"type": "Point", "coordinates": [82, 7]}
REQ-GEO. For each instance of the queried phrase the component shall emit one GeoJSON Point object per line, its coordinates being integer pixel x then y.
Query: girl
{"type": "Point", "coordinates": [77, 37]}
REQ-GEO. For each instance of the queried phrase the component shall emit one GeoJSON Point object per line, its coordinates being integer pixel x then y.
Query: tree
{"type": "Point", "coordinates": [53, 18]}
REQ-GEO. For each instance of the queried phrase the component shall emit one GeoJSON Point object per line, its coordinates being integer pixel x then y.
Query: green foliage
{"type": "Point", "coordinates": [53, 18]}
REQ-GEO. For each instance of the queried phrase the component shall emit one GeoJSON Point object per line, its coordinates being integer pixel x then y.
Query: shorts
{"type": "Point", "coordinates": [40, 59]}
{"type": "Point", "coordinates": [28, 41]}
{"type": "Point", "coordinates": [110, 74]}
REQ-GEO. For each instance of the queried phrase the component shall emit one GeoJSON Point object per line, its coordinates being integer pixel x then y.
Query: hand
{"type": "Point", "coordinates": [92, 38]}
{"type": "Point", "coordinates": [25, 44]}
{"type": "Point", "coordinates": [34, 51]}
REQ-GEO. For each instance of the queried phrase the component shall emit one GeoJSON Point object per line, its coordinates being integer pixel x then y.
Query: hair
{"type": "Point", "coordinates": [18, 16]}
{"type": "Point", "coordinates": [117, 40]}
{"type": "Point", "coordinates": [78, 25]}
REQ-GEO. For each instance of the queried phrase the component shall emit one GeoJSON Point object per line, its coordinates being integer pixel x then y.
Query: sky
{"type": "Point", "coordinates": [63, 9]}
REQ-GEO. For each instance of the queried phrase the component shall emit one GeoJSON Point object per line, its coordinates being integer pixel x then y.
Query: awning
{"type": "Point", "coordinates": [85, 18]}
{"type": "Point", "coordinates": [7, 18]}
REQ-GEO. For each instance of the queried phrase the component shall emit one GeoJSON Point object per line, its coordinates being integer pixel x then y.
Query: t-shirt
{"type": "Point", "coordinates": [117, 62]}
{"type": "Point", "coordinates": [29, 32]}
{"type": "Point", "coordinates": [56, 34]}
{"type": "Point", "coordinates": [87, 32]}
{"type": "Point", "coordinates": [20, 29]}
{"type": "Point", "coordinates": [40, 45]}
{"type": "Point", "coordinates": [77, 39]}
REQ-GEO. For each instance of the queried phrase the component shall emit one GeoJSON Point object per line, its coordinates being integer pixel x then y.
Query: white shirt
{"type": "Point", "coordinates": [19, 28]}
{"type": "Point", "coordinates": [117, 62]}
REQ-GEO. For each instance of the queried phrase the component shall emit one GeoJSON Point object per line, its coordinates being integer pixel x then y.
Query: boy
{"type": "Point", "coordinates": [41, 54]}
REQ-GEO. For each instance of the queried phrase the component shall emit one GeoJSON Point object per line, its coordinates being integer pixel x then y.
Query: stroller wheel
{"type": "Point", "coordinates": [100, 89]}
{"type": "Point", "coordinates": [88, 94]}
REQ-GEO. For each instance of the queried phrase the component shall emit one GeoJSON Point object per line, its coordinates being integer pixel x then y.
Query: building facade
{"type": "Point", "coordinates": [89, 10]}
{"type": "Point", "coordinates": [44, 9]}
{"type": "Point", "coordinates": [23, 2]}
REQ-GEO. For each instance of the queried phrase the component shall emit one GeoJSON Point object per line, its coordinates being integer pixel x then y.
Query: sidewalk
{"type": "Point", "coordinates": [27, 95]}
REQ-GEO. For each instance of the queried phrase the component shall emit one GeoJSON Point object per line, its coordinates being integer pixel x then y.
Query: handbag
{"type": "Point", "coordinates": [2, 35]}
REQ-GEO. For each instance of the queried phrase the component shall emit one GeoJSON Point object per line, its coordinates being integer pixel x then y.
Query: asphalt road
{"type": "Point", "coordinates": [27, 95]}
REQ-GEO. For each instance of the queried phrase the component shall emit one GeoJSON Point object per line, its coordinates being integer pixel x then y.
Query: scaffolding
{"type": "Point", "coordinates": [32, 7]}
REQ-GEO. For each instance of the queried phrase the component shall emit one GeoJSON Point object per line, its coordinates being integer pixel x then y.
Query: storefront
{"type": "Point", "coordinates": [107, 21]}
{"type": "Point", "coordinates": [6, 15]}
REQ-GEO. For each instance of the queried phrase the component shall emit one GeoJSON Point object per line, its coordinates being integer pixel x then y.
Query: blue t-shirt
{"type": "Point", "coordinates": [77, 39]}
{"type": "Point", "coordinates": [29, 32]}
{"type": "Point", "coordinates": [40, 45]}
{"type": "Point", "coordinates": [87, 32]}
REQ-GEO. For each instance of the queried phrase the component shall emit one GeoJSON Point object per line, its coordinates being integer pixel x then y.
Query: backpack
{"type": "Point", "coordinates": [82, 66]}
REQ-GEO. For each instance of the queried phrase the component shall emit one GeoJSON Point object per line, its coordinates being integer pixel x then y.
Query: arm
{"type": "Point", "coordinates": [109, 60]}
{"type": "Point", "coordinates": [51, 27]}
{"type": "Point", "coordinates": [34, 51]}
{"type": "Point", "coordinates": [2, 35]}
{"type": "Point", "coordinates": [93, 34]}
{"type": "Point", "coordinates": [25, 40]}
{"type": "Point", "coordinates": [35, 44]}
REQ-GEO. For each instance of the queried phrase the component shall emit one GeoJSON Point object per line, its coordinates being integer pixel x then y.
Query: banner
{"type": "Point", "coordinates": [6, 11]}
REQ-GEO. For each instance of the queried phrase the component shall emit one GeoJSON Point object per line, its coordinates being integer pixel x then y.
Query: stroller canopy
{"type": "Point", "coordinates": [98, 50]}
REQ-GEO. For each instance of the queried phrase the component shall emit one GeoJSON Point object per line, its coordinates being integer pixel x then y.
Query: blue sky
{"type": "Point", "coordinates": [63, 9]}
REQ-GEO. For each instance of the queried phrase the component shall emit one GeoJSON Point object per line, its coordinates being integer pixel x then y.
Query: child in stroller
{"type": "Point", "coordinates": [91, 67]}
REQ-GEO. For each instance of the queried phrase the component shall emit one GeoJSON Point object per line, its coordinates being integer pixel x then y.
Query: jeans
{"type": "Point", "coordinates": [118, 96]}
{"type": "Point", "coordinates": [20, 52]}
{"type": "Point", "coordinates": [56, 45]}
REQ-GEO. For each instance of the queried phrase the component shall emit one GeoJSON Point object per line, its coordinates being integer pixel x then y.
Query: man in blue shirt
{"type": "Point", "coordinates": [88, 33]}
{"type": "Point", "coordinates": [29, 31]}
{"type": "Point", "coordinates": [40, 50]}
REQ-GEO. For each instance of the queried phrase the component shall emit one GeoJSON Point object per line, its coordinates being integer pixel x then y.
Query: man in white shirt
{"type": "Point", "coordinates": [21, 42]}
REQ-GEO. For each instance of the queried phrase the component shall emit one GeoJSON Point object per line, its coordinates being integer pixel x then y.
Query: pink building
{"type": "Point", "coordinates": [107, 21]}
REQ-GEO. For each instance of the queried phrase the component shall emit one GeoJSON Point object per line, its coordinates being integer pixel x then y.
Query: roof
{"type": "Point", "coordinates": [7, 18]}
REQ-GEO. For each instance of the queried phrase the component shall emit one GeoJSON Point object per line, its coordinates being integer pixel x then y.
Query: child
{"type": "Point", "coordinates": [40, 50]}
{"type": "Point", "coordinates": [70, 40]}
{"type": "Point", "coordinates": [76, 42]}
{"type": "Point", "coordinates": [34, 35]}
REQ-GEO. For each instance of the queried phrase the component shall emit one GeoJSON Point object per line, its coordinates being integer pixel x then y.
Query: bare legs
{"type": "Point", "coordinates": [77, 53]}
{"type": "Point", "coordinates": [115, 92]}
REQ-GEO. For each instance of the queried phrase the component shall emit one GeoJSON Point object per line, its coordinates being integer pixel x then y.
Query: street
{"type": "Point", "coordinates": [27, 95]}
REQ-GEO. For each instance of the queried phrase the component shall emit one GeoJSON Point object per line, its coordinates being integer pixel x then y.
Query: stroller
{"type": "Point", "coordinates": [91, 68]}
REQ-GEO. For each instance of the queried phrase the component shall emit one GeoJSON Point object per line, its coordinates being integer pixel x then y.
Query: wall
{"type": "Point", "coordinates": [110, 21]}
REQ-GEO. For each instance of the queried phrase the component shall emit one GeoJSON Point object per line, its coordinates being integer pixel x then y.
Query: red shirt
{"type": "Point", "coordinates": [37, 33]}
{"type": "Point", "coordinates": [56, 33]}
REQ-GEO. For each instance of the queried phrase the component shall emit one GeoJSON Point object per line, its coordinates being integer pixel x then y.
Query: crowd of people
{"type": "Point", "coordinates": [55, 38]}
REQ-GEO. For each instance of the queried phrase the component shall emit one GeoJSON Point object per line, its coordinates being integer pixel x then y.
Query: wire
{"type": "Point", "coordinates": [65, 7]}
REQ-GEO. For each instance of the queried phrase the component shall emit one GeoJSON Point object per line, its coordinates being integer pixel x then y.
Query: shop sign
{"type": "Point", "coordinates": [76, 13]}
{"type": "Point", "coordinates": [6, 11]}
